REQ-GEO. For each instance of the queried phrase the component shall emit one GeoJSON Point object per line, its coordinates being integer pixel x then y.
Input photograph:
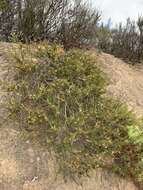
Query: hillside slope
{"type": "Point", "coordinates": [126, 81]}
{"type": "Point", "coordinates": [26, 167]}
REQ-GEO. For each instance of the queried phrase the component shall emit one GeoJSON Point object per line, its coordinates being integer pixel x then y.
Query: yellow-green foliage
{"type": "Point", "coordinates": [58, 97]}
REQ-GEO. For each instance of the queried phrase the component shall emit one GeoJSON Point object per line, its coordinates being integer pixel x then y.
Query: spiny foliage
{"type": "Point", "coordinates": [59, 99]}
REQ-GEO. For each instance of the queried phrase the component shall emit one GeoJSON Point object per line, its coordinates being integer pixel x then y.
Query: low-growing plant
{"type": "Point", "coordinates": [59, 99]}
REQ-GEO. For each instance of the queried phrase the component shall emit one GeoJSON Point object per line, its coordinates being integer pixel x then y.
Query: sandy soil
{"type": "Point", "coordinates": [126, 81]}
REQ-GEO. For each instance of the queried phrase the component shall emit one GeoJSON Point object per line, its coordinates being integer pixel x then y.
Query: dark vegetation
{"type": "Point", "coordinates": [124, 41]}
{"type": "Point", "coordinates": [70, 23]}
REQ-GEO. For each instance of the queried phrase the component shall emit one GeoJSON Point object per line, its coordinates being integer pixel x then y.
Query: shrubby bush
{"type": "Point", "coordinates": [58, 98]}
{"type": "Point", "coordinates": [71, 23]}
{"type": "Point", "coordinates": [124, 40]}
{"type": "Point", "coordinates": [74, 24]}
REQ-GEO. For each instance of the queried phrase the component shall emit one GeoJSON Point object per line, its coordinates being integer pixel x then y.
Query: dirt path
{"type": "Point", "coordinates": [26, 167]}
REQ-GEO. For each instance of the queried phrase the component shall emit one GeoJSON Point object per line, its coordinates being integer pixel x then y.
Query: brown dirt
{"type": "Point", "coordinates": [126, 81]}
{"type": "Point", "coordinates": [24, 166]}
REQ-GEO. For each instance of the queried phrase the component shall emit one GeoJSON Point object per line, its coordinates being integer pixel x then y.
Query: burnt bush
{"type": "Point", "coordinates": [72, 23]}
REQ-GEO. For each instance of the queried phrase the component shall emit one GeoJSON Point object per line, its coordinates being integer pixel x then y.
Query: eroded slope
{"type": "Point", "coordinates": [126, 81]}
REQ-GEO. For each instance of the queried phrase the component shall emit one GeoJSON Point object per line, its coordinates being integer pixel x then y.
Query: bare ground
{"type": "Point", "coordinates": [24, 166]}
{"type": "Point", "coordinates": [126, 81]}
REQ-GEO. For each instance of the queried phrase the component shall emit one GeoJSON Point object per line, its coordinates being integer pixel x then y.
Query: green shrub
{"type": "Point", "coordinates": [59, 99]}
